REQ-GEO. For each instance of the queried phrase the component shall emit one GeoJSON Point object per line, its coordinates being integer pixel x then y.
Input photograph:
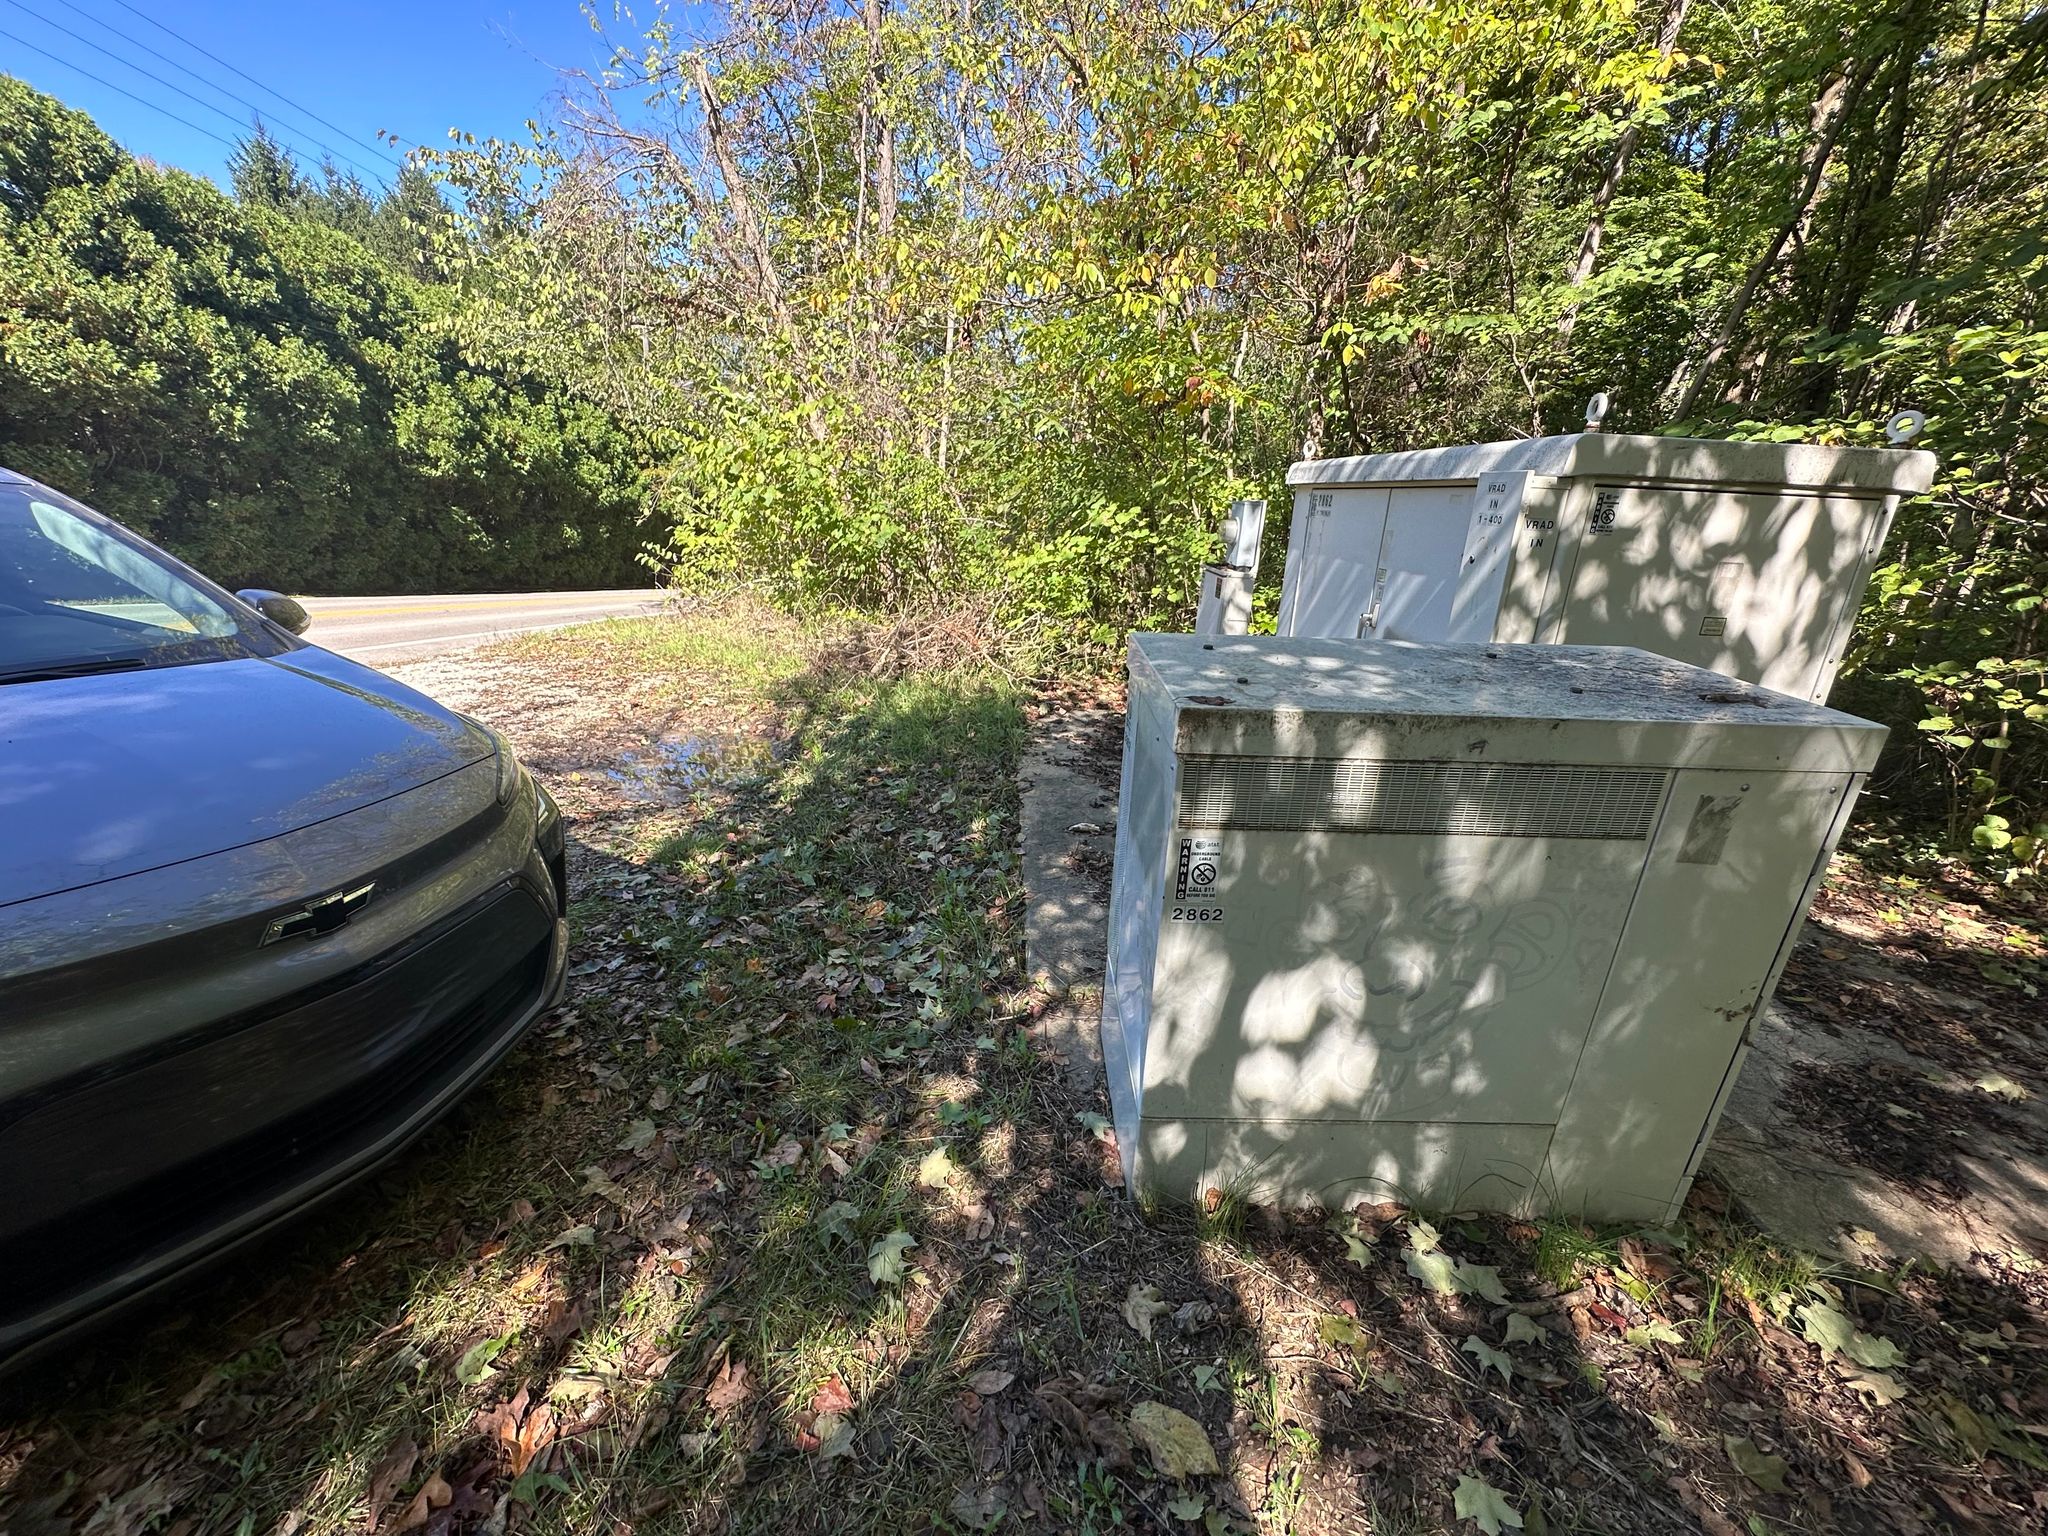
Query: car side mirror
{"type": "Point", "coordinates": [279, 609]}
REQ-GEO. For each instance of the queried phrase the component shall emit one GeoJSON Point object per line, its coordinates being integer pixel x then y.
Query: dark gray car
{"type": "Point", "coordinates": [264, 914]}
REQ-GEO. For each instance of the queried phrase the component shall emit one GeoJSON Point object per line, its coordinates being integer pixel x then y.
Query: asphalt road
{"type": "Point", "coordinates": [384, 631]}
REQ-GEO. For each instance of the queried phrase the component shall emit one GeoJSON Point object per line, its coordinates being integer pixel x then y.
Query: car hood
{"type": "Point", "coordinates": [107, 776]}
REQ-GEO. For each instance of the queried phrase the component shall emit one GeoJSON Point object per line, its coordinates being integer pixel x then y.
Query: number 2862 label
{"type": "Point", "coordinates": [1197, 871]}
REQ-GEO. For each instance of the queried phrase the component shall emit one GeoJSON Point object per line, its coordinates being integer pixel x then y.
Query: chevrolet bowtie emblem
{"type": "Point", "coordinates": [321, 915]}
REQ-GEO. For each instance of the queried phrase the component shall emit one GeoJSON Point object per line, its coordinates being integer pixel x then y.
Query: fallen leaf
{"type": "Point", "coordinates": [1141, 1305]}
{"type": "Point", "coordinates": [1187, 1507]}
{"type": "Point", "coordinates": [1880, 1387]}
{"type": "Point", "coordinates": [2001, 1086]}
{"type": "Point", "coordinates": [730, 1389]}
{"type": "Point", "coordinates": [1522, 1329]}
{"type": "Point", "coordinates": [520, 1433]}
{"type": "Point", "coordinates": [834, 1435]}
{"type": "Point", "coordinates": [1488, 1357]}
{"type": "Point", "coordinates": [564, 1320]}
{"type": "Point", "coordinates": [1423, 1236]}
{"type": "Point", "coordinates": [389, 1475]}
{"type": "Point", "coordinates": [1834, 1334]}
{"type": "Point", "coordinates": [936, 1169]}
{"type": "Point", "coordinates": [1342, 1332]}
{"type": "Point", "coordinates": [1644, 1262]}
{"type": "Point", "coordinates": [1482, 1280]}
{"type": "Point", "coordinates": [989, 1383]}
{"type": "Point", "coordinates": [1082, 1409]}
{"type": "Point", "coordinates": [978, 1509]}
{"type": "Point", "coordinates": [1656, 1331]}
{"type": "Point", "coordinates": [837, 1220]}
{"type": "Point", "coordinates": [886, 1265]}
{"type": "Point", "coordinates": [1476, 1499]}
{"type": "Point", "coordinates": [1096, 1125]}
{"type": "Point", "coordinates": [1209, 1378]}
{"type": "Point", "coordinates": [1766, 1471]}
{"type": "Point", "coordinates": [575, 1237]}
{"type": "Point", "coordinates": [1177, 1444]}
{"type": "Point", "coordinates": [206, 1386]}
{"type": "Point", "coordinates": [434, 1494]}
{"type": "Point", "coordinates": [832, 1397]}
{"type": "Point", "coordinates": [1436, 1270]}
{"type": "Point", "coordinates": [475, 1365]}
{"type": "Point", "coordinates": [639, 1136]}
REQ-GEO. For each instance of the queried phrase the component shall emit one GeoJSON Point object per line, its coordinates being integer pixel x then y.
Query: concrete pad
{"type": "Point", "coordinates": [1066, 839]}
{"type": "Point", "coordinates": [1763, 1152]}
{"type": "Point", "coordinates": [1767, 1157]}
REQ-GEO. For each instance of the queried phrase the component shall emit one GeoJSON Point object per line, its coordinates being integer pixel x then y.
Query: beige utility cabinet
{"type": "Point", "coordinates": [1748, 558]}
{"type": "Point", "coordinates": [1466, 925]}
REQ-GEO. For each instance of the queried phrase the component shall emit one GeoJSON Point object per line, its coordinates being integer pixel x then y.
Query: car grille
{"type": "Point", "coordinates": [140, 1157]}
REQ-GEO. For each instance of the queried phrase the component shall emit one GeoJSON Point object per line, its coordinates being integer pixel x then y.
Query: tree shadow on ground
{"type": "Point", "coordinates": [649, 1279]}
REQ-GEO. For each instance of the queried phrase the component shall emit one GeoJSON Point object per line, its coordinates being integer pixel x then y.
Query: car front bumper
{"type": "Point", "coordinates": [315, 1090]}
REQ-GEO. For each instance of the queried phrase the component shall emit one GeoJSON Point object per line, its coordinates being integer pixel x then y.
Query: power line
{"type": "Point", "coordinates": [244, 74]}
{"type": "Point", "coordinates": [145, 101]}
{"type": "Point", "coordinates": [186, 69]}
{"type": "Point", "coordinates": [170, 85]}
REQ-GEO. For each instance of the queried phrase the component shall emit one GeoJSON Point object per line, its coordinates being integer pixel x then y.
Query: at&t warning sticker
{"type": "Point", "coordinates": [1196, 898]}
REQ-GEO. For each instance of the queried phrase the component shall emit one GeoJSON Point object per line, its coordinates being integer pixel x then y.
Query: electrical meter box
{"type": "Point", "coordinates": [1466, 925]}
{"type": "Point", "coordinates": [1748, 558]}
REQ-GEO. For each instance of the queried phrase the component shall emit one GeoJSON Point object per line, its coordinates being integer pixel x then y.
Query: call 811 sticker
{"type": "Point", "coordinates": [1196, 898]}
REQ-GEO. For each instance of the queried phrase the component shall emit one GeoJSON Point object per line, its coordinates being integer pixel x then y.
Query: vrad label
{"type": "Point", "coordinates": [1195, 895]}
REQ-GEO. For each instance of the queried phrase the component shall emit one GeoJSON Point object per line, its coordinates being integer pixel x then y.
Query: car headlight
{"type": "Point", "coordinates": [504, 759]}
{"type": "Point", "coordinates": [509, 772]}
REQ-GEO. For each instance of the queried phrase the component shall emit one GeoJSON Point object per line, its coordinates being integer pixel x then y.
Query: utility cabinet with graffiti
{"type": "Point", "coordinates": [1465, 925]}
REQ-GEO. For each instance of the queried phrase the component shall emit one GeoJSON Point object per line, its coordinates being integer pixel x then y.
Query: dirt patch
{"type": "Point", "coordinates": [791, 1221]}
{"type": "Point", "coordinates": [1894, 1121]}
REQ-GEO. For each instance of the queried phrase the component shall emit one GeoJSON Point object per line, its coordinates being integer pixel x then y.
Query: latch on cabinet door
{"type": "Point", "coordinates": [1369, 620]}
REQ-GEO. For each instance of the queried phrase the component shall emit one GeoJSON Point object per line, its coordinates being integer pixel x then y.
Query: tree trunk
{"type": "Point", "coordinates": [1825, 123]}
{"type": "Point", "coordinates": [882, 127]}
{"type": "Point", "coordinates": [1617, 167]}
{"type": "Point", "coordinates": [739, 196]}
{"type": "Point", "coordinates": [1863, 224]}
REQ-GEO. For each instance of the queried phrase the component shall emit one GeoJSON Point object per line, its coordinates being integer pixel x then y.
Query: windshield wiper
{"type": "Point", "coordinates": [34, 674]}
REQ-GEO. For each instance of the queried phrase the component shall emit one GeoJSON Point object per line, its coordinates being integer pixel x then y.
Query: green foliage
{"type": "Point", "coordinates": [1008, 302]}
{"type": "Point", "coordinates": [267, 397]}
{"type": "Point", "coordinates": [906, 302]}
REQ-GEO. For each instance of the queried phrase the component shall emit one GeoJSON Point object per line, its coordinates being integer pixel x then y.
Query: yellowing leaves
{"type": "Point", "coordinates": [1177, 1444]}
{"type": "Point", "coordinates": [1142, 1306]}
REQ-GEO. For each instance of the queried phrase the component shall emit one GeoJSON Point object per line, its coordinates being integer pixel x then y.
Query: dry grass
{"type": "Point", "coordinates": [652, 1279]}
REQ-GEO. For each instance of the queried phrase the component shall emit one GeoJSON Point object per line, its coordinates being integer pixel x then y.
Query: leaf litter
{"type": "Point", "coordinates": [725, 1322]}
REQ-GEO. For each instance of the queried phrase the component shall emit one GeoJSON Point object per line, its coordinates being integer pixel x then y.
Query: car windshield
{"type": "Point", "coordinates": [78, 595]}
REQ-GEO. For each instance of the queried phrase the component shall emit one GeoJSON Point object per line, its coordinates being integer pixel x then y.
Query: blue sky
{"type": "Point", "coordinates": [415, 68]}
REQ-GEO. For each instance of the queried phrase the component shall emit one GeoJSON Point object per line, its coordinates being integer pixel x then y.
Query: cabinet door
{"type": "Point", "coordinates": [1338, 554]}
{"type": "Point", "coordinates": [1420, 555]}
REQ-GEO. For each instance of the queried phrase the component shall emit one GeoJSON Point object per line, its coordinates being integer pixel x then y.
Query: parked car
{"type": "Point", "coordinates": [264, 915]}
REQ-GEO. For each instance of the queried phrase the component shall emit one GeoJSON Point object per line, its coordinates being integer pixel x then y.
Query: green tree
{"type": "Point", "coordinates": [270, 399]}
{"type": "Point", "coordinates": [264, 173]}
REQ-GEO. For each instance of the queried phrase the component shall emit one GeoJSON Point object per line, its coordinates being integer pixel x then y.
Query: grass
{"type": "Point", "coordinates": [1567, 1250]}
{"type": "Point", "coordinates": [662, 1245]}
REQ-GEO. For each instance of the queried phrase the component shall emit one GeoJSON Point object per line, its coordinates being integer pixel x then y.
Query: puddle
{"type": "Point", "coordinates": [667, 770]}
